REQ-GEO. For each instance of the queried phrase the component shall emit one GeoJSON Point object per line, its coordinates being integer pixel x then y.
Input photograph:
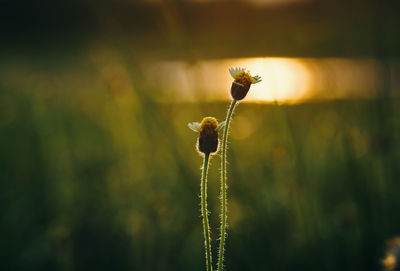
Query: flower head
{"type": "Point", "coordinates": [242, 82]}
{"type": "Point", "coordinates": [208, 138]}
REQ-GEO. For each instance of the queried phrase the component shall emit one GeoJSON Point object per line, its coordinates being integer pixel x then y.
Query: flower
{"type": "Point", "coordinates": [242, 82]}
{"type": "Point", "coordinates": [208, 138]}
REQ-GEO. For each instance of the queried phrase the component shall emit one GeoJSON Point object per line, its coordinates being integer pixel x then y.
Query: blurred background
{"type": "Point", "coordinates": [98, 170]}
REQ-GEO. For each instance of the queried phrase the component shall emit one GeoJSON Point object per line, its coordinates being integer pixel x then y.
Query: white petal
{"type": "Point", "coordinates": [194, 126]}
{"type": "Point", "coordinates": [255, 79]}
{"type": "Point", "coordinates": [235, 71]}
{"type": "Point", "coordinates": [221, 125]}
{"type": "Point", "coordinates": [232, 71]}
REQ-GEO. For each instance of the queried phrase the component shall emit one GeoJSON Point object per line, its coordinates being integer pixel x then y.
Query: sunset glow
{"type": "Point", "coordinates": [282, 79]}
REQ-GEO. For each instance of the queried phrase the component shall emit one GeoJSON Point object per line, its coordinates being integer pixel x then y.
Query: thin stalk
{"type": "Point", "coordinates": [204, 213]}
{"type": "Point", "coordinates": [223, 186]}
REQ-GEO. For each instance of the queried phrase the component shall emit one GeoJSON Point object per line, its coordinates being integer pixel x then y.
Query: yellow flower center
{"type": "Point", "coordinates": [243, 77]}
{"type": "Point", "coordinates": [209, 122]}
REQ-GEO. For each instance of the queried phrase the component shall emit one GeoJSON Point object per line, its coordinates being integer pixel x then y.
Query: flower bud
{"type": "Point", "coordinates": [242, 82]}
{"type": "Point", "coordinates": [239, 91]}
{"type": "Point", "coordinates": [208, 138]}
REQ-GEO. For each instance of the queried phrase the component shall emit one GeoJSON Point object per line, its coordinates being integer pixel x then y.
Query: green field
{"type": "Point", "coordinates": [99, 170]}
{"type": "Point", "coordinates": [109, 180]}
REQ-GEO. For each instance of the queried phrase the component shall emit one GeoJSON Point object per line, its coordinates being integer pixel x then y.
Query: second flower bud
{"type": "Point", "coordinates": [208, 138]}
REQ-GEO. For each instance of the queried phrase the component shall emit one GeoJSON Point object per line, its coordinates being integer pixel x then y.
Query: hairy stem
{"type": "Point", "coordinates": [223, 186]}
{"type": "Point", "coordinates": [204, 213]}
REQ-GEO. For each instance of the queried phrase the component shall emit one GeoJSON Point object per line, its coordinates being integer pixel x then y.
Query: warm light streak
{"type": "Point", "coordinates": [282, 79]}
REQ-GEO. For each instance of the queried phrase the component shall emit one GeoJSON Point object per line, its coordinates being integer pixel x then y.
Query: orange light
{"type": "Point", "coordinates": [283, 80]}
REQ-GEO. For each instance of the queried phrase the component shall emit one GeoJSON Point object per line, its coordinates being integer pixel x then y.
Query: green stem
{"type": "Point", "coordinates": [204, 213]}
{"type": "Point", "coordinates": [223, 186]}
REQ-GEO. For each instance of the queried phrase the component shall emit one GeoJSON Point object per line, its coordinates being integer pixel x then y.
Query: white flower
{"type": "Point", "coordinates": [242, 82]}
{"type": "Point", "coordinates": [242, 76]}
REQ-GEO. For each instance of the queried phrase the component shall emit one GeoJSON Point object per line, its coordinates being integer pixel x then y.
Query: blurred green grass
{"type": "Point", "coordinates": [109, 180]}
{"type": "Point", "coordinates": [99, 172]}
